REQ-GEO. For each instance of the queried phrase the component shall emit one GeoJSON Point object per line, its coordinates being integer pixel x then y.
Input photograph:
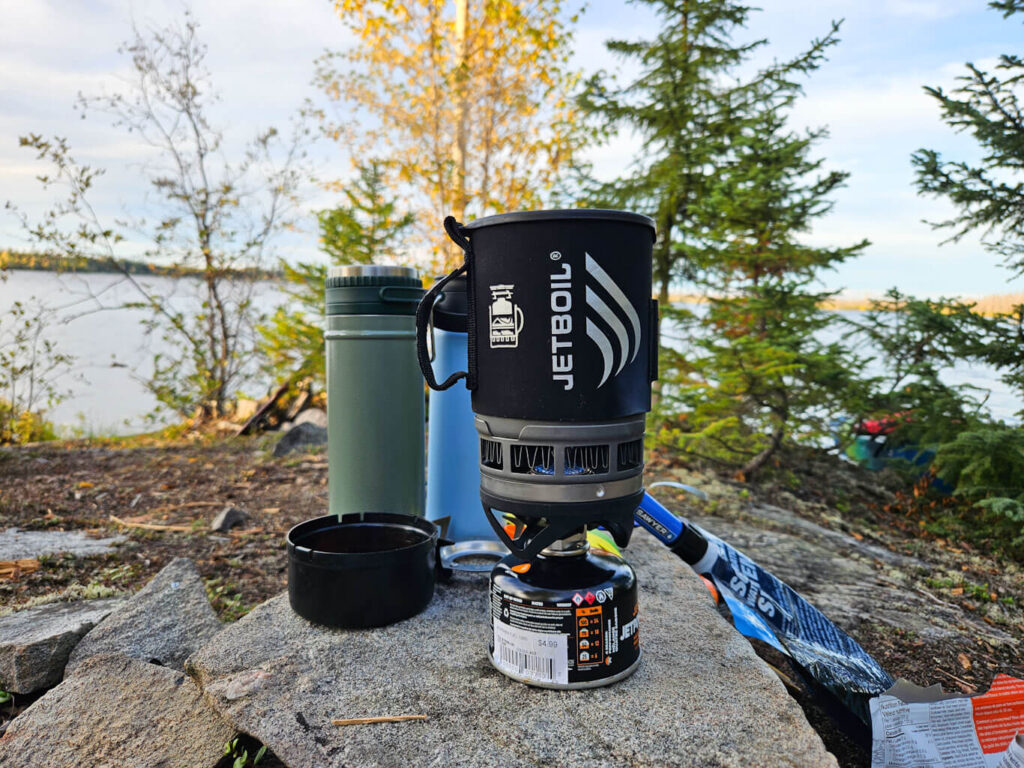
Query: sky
{"type": "Point", "coordinates": [261, 54]}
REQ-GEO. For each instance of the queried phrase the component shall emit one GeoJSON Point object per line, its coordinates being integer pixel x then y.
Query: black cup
{"type": "Point", "coordinates": [361, 570]}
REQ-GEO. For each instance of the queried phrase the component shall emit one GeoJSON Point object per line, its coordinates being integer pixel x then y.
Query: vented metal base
{"type": "Point", "coordinates": [557, 453]}
{"type": "Point", "coordinates": [547, 479]}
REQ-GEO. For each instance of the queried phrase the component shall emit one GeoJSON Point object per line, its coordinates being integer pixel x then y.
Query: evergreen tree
{"type": "Point", "coordinates": [685, 117]}
{"type": "Point", "coordinates": [983, 463]}
{"type": "Point", "coordinates": [988, 194]}
{"type": "Point", "coordinates": [985, 466]}
{"type": "Point", "coordinates": [912, 342]}
{"type": "Point", "coordinates": [762, 376]}
{"type": "Point", "coordinates": [368, 228]}
{"type": "Point", "coordinates": [730, 189]}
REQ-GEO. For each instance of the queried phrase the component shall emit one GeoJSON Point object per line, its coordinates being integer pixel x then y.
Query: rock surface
{"type": "Point", "coordinates": [701, 697]}
{"type": "Point", "coordinates": [116, 711]}
{"type": "Point", "coordinates": [228, 518]}
{"type": "Point", "coordinates": [164, 622]}
{"type": "Point", "coordinates": [850, 581]}
{"type": "Point", "coordinates": [300, 436]}
{"type": "Point", "coordinates": [315, 416]}
{"type": "Point", "coordinates": [16, 544]}
{"type": "Point", "coordinates": [35, 643]}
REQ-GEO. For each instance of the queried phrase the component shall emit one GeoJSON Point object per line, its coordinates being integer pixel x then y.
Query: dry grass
{"type": "Point", "coordinates": [848, 303]}
{"type": "Point", "coordinates": [992, 304]}
{"type": "Point", "coordinates": [998, 303]}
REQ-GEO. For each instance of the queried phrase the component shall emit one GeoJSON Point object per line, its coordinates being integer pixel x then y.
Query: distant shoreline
{"type": "Point", "coordinates": [46, 262]}
{"type": "Point", "coordinates": [991, 304]}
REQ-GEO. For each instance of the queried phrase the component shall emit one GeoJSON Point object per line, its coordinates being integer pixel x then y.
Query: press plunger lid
{"type": "Point", "coordinates": [372, 289]}
{"type": "Point", "coordinates": [372, 270]}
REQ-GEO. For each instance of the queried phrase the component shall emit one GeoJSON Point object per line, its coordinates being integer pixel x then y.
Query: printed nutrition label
{"type": "Point", "coordinates": [540, 657]}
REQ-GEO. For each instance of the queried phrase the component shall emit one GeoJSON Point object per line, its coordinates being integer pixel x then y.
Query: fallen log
{"type": "Point", "coordinates": [264, 410]}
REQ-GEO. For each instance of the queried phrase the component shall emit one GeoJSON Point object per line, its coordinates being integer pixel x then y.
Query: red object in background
{"type": "Point", "coordinates": [882, 426]}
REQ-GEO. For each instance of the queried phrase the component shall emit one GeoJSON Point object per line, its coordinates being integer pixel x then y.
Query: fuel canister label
{"type": "Point", "coordinates": [570, 638]}
{"type": "Point", "coordinates": [540, 657]}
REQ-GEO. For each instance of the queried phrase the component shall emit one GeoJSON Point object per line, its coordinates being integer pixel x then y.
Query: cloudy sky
{"type": "Point", "coordinates": [261, 54]}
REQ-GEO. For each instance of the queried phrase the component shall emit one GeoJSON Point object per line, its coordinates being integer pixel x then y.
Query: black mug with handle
{"type": "Point", "coordinates": [562, 335]}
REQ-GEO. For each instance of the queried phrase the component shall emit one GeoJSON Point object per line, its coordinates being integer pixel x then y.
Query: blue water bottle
{"type": "Point", "coordinates": [453, 460]}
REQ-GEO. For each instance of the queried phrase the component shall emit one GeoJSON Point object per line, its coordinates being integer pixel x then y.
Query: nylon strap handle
{"type": "Point", "coordinates": [426, 309]}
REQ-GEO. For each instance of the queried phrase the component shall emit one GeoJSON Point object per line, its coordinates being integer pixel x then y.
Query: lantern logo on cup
{"type": "Point", "coordinates": [506, 318]}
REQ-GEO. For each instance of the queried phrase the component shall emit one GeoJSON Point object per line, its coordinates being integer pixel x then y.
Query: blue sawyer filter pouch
{"type": "Point", "coordinates": [765, 608]}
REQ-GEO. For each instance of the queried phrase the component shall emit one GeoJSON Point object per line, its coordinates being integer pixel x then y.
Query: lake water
{"type": "Point", "coordinates": [999, 400]}
{"type": "Point", "coordinates": [114, 354]}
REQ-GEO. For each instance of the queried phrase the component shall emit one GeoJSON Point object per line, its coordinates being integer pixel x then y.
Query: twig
{"type": "Point", "coordinates": [918, 590]}
{"type": "Point", "coordinates": [962, 683]}
{"type": "Point", "coordinates": [932, 597]}
{"type": "Point", "coordinates": [786, 679]}
{"type": "Point", "coordinates": [172, 507]}
{"type": "Point", "coordinates": [152, 526]}
{"type": "Point", "coordinates": [14, 569]}
{"type": "Point", "coordinates": [365, 720]}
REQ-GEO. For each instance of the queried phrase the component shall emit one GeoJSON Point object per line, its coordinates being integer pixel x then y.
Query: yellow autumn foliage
{"type": "Point", "coordinates": [467, 102]}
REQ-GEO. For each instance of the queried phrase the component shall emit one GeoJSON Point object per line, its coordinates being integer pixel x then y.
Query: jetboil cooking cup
{"type": "Point", "coordinates": [561, 354]}
{"type": "Point", "coordinates": [562, 349]}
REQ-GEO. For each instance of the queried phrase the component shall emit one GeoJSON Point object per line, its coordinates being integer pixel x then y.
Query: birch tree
{"type": "Point", "coordinates": [210, 218]}
{"type": "Point", "coordinates": [466, 102]}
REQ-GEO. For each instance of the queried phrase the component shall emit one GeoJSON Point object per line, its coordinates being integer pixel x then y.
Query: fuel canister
{"type": "Point", "coordinates": [565, 621]}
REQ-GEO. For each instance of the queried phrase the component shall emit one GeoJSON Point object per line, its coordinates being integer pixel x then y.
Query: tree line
{"type": "Point", "coordinates": [56, 262]}
{"type": "Point", "coordinates": [472, 107]}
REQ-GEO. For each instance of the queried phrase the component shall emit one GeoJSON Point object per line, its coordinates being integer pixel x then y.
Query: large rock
{"type": "Point", "coordinates": [16, 544]}
{"type": "Point", "coordinates": [701, 697]}
{"type": "Point", "coordinates": [164, 622]}
{"type": "Point", "coordinates": [852, 582]}
{"type": "Point", "coordinates": [300, 436]}
{"type": "Point", "coordinates": [116, 711]}
{"type": "Point", "coordinates": [35, 643]}
{"type": "Point", "coordinates": [315, 416]}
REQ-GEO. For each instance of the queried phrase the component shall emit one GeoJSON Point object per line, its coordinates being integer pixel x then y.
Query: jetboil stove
{"type": "Point", "coordinates": [562, 350]}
